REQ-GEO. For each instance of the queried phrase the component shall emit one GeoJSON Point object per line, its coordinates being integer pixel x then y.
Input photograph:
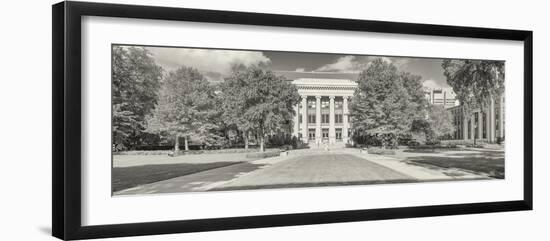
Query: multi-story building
{"type": "Point", "coordinates": [485, 124]}
{"type": "Point", "coordinates": [323, 113]}
{"type": "Point", "coordinates": [441, 96]}
{"type": "Point", "coordinates": [323, 110]}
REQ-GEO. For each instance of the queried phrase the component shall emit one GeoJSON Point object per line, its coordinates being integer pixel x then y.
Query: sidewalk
{"type": "Point", "coordinates": [420, 173]}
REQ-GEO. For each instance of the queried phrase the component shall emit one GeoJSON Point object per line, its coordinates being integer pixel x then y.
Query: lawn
{"type": "Point", "coordinates": [485, 162]}
{"type": "Point", "coordinates": [127, 177]}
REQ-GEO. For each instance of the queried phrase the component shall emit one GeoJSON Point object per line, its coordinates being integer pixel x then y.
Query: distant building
{"type": "Point", "coordinates": [323, 113]}
{"type": "Point", "coordinates": [323, 110]}
{"type": "Point", "coordinates": [441, 96]}
{"type": "Point", "coordinates": [482, 124]}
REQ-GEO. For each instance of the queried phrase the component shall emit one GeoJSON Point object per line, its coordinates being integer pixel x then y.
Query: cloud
{"type": "Point", "coordinates": [300, 70]}
{"type": "Point", "coordinates": [343, 64]}
{"type": "Point", "coordinates": [209, 61]}
{"type": "Point", "coordinates": [433, 84]}
{"type": "Point", "coordinates": [356, 64]}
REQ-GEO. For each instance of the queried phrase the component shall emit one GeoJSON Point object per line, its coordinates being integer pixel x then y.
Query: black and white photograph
{"type": "Point", "coordinates": [192, 119]}
{"type": "Point", "coordinates": [275, 120]}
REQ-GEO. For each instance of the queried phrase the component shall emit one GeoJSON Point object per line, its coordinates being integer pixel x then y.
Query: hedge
{"type": "Point", "coordinates": [380, 151]}
{"type": "Point", "coordinates": [263, 154]}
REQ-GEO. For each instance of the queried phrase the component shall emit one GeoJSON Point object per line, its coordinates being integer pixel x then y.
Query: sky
{"type": "Point", "coordinates": [216, 63]}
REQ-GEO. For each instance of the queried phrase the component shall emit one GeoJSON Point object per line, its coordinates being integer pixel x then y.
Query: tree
{"type": "Point", "coordinates": [234, 103]}
{"type": "Point", "coordinates": [135, 83]}
{"type": "Point", "coordinates": [475, 82]}
{"type": "Point", "coordinates": [386, 102]}
{"type": "Point", "coordinates": [186, 109]}
{"type": "Point", "coordinates": [259, 101]}
{"type": "Point", "coordinates": [438, 124]}
{"type": "Point", "coordinates": [441, 121]}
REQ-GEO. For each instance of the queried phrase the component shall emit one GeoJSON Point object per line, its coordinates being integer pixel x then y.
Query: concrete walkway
{"type": "Point", "coordinates": [421, 173]}
{"type": "Point", "coordinates": [326, 169]}
{"type": "Point", "coordinates": [305, 168]}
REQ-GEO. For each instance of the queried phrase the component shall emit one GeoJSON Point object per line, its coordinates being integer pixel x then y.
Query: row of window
{"type": "Point", "coordinates": [324, 134]}
{"type": "Point", "coordinates": [325, 104]}
{"type": "Point", "coordinates": [325, 118]}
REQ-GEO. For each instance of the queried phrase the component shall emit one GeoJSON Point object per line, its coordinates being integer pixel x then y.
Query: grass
{"type": "Point", "coordinates": [127, 177]}
{"type": "Point", "coordinates": [488, 165]}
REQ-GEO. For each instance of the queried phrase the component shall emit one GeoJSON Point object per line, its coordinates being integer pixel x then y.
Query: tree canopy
{"type": "Point", "coordinates": [474, 81]}
{"type": "Point", "coordinates": [437, 125]}
{"type": "Point", "coordinates": [135, 83]}
{"type": "Point", "coordinates": [386, 101]}
{"type": "Point", "coordinates": [259, 101]}
{"type": "Point", "coordinates": [186, 108]}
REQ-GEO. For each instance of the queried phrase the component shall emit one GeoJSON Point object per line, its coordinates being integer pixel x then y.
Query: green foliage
{"type": "Point", "coordinates": [135, 82]}
{"type": "Point", "coordinates": [441, 121]}
{"type": "Point", "coordinates": [386, 102]}
{"type": "Point", "coordinates": [258, 101]}
{"type": "Point", "coordinates": [187, 107]}
{"type": "Point", "coordinates": [438, 124]}
{"type": "Point", "coordinates": [474, 81]}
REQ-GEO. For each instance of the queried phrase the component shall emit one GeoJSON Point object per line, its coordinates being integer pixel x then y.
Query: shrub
{"type": "Point", "coordinates": [190, 152]}
{"type": "Point", "coordinates": [476, 145]}
{"type": "Point", "coordinates": [263, 154]}
{"type": "Point", "coordinates": [440, 146]}
{"type": "Point", "coordinates": [380, 151]}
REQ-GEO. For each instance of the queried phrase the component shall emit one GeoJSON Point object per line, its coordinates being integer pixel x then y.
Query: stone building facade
{"type": "Point", "coordinates": [323, 113]}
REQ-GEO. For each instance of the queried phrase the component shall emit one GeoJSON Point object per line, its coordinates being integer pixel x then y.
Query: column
{"type": "Point", "coordinates": [345, 116]}
{"type": "Point", "coordinates": [296, 121]}
{"type": "Point", "coordinates": [318, 119]}
{"type": "Point", "coordinates": [492, 125]}
{"type": "Point", "coordinates": [304, 119]}
{"type": "Point", "coordinates": [472, 126]}
{"type": "Point", "coordinates": [464, 125]}
{"type": "Point", "coordinates": [331, 128]}
{"type": "Point", "coordinates": [488, 122]}
{"type": "Point", "coordinates": [480, 124]}
{"type": "Point", "coordinates": [501, 116]}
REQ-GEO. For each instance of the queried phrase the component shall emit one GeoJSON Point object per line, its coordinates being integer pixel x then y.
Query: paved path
{"type": "Point", "coordinates": [325, 169]}
{"type": "Point", "coordinates": [421, 173]}
{"type": "Point", "coordinates": [306, 168]}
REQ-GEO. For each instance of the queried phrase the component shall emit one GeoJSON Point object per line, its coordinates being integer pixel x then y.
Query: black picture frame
{"type": "Point", "coordinates": [66, 127]}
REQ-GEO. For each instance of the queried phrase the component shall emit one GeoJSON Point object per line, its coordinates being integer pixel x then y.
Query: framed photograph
{"type": "Point", "coordinates": [172, 120]}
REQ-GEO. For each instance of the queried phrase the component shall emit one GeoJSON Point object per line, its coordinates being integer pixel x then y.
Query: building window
{"type": "Point", "coordinates": [311, 118]}
{"type": "Point", "coordinates": [476, 122]}
{"type": "Point", "coordinates": [338, 118]}
{"type": "Point", "coordinates": [325, 118]}
{"type": "Point", "coordinates": [325, 133]}
{"type": "Point", "coordinates": [300, 119]}
{"type": "Point", "coordinates": [338, 104]}
{"type": "Point", "coordinates": [311, 134]}
{"type": "Point", "coordinates": [338, 133]}
{"type": "Point", "coordinates": [469, 129]}
{"type": "Point", "coordinates": [324, 104]}
{"type": "Point", "coordinates": [311, 104]}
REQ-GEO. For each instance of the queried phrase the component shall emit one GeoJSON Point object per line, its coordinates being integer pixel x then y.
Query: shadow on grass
{"type": "Point", "coordinates": [127, 177]}
{"type": "Point", "coordinates": [318, 184]}
{"type": "Point", "coordinates": [421, 151]}
{"type": "Point", "coordinates": [490, 164]}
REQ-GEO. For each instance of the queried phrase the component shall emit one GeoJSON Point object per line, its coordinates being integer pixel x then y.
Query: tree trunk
{"type": "Point", "coordinates": [176, 146]}
{"type": "Point", "coordinates": [245, 137]}
{"type": "Point", "coordinates": [186, 141]}
{"type": "Point", "coordinates": [262, 147]}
